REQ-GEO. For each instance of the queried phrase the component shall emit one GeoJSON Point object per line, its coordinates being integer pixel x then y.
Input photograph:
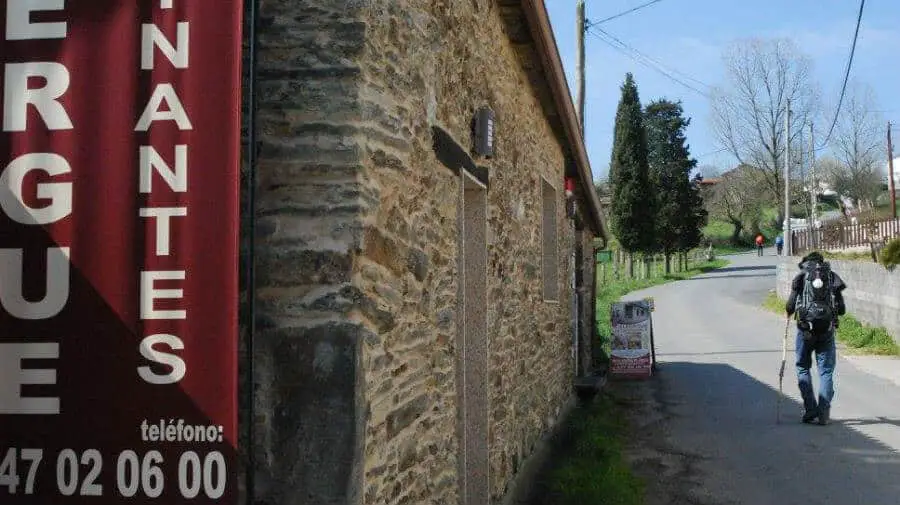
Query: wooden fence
{"type": "Point", "coordinates": [838, 235]}
{"type": "Point", "coordinates": [613, 265]}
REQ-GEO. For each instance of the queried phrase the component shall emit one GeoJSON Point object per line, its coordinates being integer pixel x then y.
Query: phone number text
{"type": "Point", "coordinates": [79, 473]}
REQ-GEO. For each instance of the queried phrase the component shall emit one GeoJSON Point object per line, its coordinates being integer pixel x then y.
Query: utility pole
{"type": "Point", "coordinates": [787, 181]}
{"type": "Point", "coordinates": [813, 186]}
{"type": "Point", "coordinates": [580, 28]}
{"type": "Point", "coordinates": [891, 173]}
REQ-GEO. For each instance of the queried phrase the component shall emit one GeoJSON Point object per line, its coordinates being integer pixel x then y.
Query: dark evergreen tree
{"type": "Point", "coordinates": [680, 215]}
{"type": "Point", "coordinates": [632, 209]}
{"type": "Point", "coordinates": [694, 218]}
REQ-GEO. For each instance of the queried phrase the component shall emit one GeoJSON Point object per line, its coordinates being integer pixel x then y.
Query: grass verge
{"type": "Point", "coordinates": [848, 256]}
{"type": "Point", "coordinates": [613, 290]}
{"type": "Point", "coordinates": [592, 468]}
{"type": "Point", "coordinates": [859, 337]}
{"type": "Point", "coordinates": [774, 303]}
{"type": "Point", "coordinates": [719, 233]}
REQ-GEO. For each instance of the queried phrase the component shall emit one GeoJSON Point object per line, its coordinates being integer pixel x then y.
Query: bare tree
{"type": "Point", "coordinates": [749, 114]}
{"type": "Point", "coordinates": [826, 165]}
{"type": "Point", "coordinates": [857, 142]}
{"type": "Point", "coordinates": [825, 168]}
{"type": "Point", "coordinates": [735, 200]}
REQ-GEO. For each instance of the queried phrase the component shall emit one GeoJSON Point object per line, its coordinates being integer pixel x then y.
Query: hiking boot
{"type": "Point", "coordinates": [810, 416]}
{"type": "Point", "coordinates": [824, 416]}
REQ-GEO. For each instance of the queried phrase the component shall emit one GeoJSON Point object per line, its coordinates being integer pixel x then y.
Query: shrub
{"type": "Point", "coordinates": [890, 254]}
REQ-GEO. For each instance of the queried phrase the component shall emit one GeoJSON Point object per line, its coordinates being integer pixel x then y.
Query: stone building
{"type": "Point", "coordinates": [418, 329]}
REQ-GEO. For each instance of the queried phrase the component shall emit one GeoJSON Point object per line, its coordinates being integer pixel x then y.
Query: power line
{"type": "Point", "coordinates": [629, 11]}
{"type": "Point", "coordinates": [650, 58]}
{"type": "Point", "coordinates": [837, 112]}
{"type": "Point", "coordinates": [643, 59]}
{"type": "Point", "coordinates": [717, 151]}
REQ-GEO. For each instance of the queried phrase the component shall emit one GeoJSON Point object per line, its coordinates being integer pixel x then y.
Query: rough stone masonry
{"type": "Point", "coordinates": [356, 382]}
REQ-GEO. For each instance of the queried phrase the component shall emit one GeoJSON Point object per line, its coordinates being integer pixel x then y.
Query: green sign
{"type": "Point", "coordinates": [604, 256]}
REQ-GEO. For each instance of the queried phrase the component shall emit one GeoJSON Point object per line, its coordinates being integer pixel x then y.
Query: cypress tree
{"type": "Point", "coordinates": [679, 211]}
{"type": "Point", "coordinates": [632, 210]}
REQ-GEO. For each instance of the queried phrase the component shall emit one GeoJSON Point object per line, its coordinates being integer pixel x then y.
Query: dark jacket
{"type": "Point", "coordinates": [837, 288]}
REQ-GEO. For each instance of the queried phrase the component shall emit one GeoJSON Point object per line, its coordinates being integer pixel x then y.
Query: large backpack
{"type": "Point", "coordinates": [815, 307]}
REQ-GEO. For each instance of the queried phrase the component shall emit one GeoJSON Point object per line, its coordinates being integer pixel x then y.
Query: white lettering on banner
{"type": "Point", "coordinates": [17, 96]}
{"type": "Point", "coordinates": [68, 472]}
{"type": "Point", "coordinates": [179, 368]}
{"type": "Point", "coordinates": [149, 294]}
{"type": "Point", "coordinates": [9, 475]}
{"type": "Point", "coordinates": [163, 230]}
{"type": "Point", "coordinates": [150, 160]}
{"type": "Point", "coordinates": [152, 37]}
{"type": "Point", "coordinates": [12, 200]}
{"type": "Point", "coordinates": [164, 105]}
{"type": "Point", "coordinates": [179, 431]}
{"type": "Point", "coordinates": [20, 27]}
{"type": "Point", "coordinates": [13, 377]}
{"type": "Point", "coordinates": [163, 93]}
{"type": "Point", "coordinates": [81, 473]}
{"type": "Point", "coordinates": [56, 295]}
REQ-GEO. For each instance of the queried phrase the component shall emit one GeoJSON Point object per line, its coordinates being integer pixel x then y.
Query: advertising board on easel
{"type": "Point", "coordinates": [632, 351]}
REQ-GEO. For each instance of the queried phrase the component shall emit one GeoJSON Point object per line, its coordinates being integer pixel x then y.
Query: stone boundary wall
{"type": "Point", "coordinates": [872, 295]}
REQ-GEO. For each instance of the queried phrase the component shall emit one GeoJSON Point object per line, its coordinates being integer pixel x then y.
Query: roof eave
{"type": "Point", "coordinates": [545, 43]}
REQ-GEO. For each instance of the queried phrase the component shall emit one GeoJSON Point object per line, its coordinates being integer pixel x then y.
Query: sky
{"type": "Point", "coordinates": [689, 36]}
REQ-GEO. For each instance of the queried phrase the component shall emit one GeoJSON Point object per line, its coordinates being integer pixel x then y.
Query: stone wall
{"type": "Point", "coordinates": [311, 318]}
{"type": "Point", "coordinates": [432, 64]}
{"type": "Point", "coordinates": [357, 251]}
{"type": "Point", "coordinates": [872, 295]}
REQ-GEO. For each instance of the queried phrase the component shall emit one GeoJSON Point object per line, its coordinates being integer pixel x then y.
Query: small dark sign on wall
{"type": "Point", "coordinates": [483, 127]}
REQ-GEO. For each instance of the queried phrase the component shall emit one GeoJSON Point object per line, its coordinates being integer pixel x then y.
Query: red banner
{"type": "Point", "coordinates": [118, 251]}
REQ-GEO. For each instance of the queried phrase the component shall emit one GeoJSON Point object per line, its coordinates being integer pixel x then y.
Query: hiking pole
{"type": "Point", "coordinates": [787, 322]}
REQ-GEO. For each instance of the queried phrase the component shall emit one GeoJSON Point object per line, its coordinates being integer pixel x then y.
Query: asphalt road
{"type": "Point", "coordinates": [719, 354]}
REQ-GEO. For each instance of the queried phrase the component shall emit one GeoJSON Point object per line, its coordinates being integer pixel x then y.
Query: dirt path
{"type": "Point", "coordinates": [670, 475]}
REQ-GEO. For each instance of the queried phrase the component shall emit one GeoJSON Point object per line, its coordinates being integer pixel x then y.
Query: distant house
{"type": "Point", "coordinates": [425, 250]}
{"type": "Point", "coordinates": [886, 171]}
{"type": "Point", "coordinates": [710, 182]}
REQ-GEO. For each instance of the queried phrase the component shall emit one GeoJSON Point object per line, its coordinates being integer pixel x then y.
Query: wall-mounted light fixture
{"type": "Point", "coordinates": [483, 129]}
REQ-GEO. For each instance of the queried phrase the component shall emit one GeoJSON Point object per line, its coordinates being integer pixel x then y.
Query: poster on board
{"type": "Point", "coordinates": [631, 347]}
{"type": "Point", "coordinates": [119, 218]}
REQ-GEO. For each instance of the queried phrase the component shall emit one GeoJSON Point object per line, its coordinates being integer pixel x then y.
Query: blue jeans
{"type": "Point", "coordinates": [826, 356]}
